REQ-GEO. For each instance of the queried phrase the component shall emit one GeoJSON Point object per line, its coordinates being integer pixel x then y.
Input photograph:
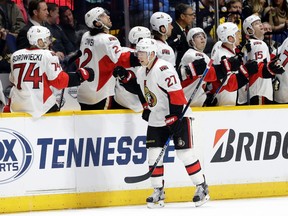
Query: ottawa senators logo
{"type": "Point", "coordinates": [150, 97]}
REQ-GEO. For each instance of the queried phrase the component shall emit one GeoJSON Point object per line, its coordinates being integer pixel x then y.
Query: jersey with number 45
{"type": "Point", "coordinates": [33, 71]}
{"type": "Point", "coordinates": [101, 52]}
{"type": "Point", "coordinates": [161, 87]}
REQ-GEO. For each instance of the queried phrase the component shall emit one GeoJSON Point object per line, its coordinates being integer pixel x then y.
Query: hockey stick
{"type": "Point", "coordinates": [65, 63]}
{"type": "Point", "coordinates": [135, 179]}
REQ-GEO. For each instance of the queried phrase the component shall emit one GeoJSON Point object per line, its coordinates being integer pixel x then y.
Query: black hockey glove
{"type": "Point", "coordinates": [120, 72]}
{"type": "Point", "coordinates": [231, 64]}
{"type": "Point", "coordinates": [274, 67]}
{"type": "Point", "coordinates": [146, 112]}
{"type": "Point", "coordinates": [239, 48]}
{"type": "Point", "coordinates": [200, 65]}
{"type": "Point", "coordinates": [174, 124]}
{"type": "Point", "coordinates": [196, 68]}
{"type": "Point", "coordinates": [86, 73]}
{"type": "Point", "coordinates": [123, 74]}
{"type": "Point", "coordinates": [250, 68]}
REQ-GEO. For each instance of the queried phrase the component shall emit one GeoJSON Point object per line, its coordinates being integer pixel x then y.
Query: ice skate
{"type": "Point", "coordinates": [201, 195]}
{"type": "Point", "coordinates": [156, 200]}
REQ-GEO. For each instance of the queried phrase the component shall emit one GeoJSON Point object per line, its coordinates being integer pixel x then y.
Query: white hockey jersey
{"type": "Point", "coordinates": [257, 84]}
{"type": "Point", "coordinates": [190, 56]}
{"type": "Point", "coordinates": [124, 97]}
{"type": "Point", "coordinates": [224, 97]}
{"type": "Point", "coordinates": [281, 95]}
{"type": "Point", "coordinates": [102, 53]}
{"type": "Point", "coordinates": [32, 73]}
{"type": "Point", "coordinates": [158, 85]}
{"type": "Point", "coordinates": [164, 51]}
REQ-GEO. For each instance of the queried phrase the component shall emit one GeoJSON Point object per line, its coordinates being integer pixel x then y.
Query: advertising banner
{"type": "Point", "coordinates": [92, 152]}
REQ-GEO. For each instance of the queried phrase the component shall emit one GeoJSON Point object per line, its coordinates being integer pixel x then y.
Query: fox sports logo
{"type": "Point", "coordinates": [16, 155]}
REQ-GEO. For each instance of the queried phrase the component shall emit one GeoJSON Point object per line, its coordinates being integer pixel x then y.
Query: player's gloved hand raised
{"type": "Point", "coordinates": [275, 67]}
{"type": "Point", "coordinates": [200, 65]}
{"type": "Point", "coordinates": [174, 124]}
{"type": "Point", "coordinates": [86, 73]}
{"type": "Point", "coordinates": [120, 72]}
{"type": "Point", "coordinates": [196, 68]}
{"type": "Point", "coordinates": [232, 63]}
{"type": "Point", "coordinates": [250, 68]}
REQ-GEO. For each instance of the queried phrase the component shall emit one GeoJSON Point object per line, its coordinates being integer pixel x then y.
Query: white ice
{"type": "Point", "coordinates": [238, 207]}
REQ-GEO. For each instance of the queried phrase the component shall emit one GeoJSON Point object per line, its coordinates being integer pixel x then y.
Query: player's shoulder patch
{"type": "Point", "coordinates": [166, 51]}
{"type": "Point", "coordinates": [255, 43]}
{"type": "Point", "coordinates": [112, 38]}
{"type": "Point", "coordinates": [198, 54]}
{"type": "Point", "coordinates": [53, 53]}
{"type": "Point", "coordinates": [163, 67]}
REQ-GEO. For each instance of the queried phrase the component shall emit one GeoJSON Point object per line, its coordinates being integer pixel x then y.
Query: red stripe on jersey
{"type": "Point", "coordinates": [257, 75]}
{"type": "Point", "coordinates": [46, 88]}
{"type": "Point", "coordinates": [106, 67]}
{"type": "Point", "coordinates": [189, 133]}
{"type": "Point", "coordinates": [158, 171]}
{"type": "Point", "coordinates": [187, 82]}
{"type": "Point", "coordinates": [60, 82]}
{"type": "Point", "coordinates": [232, 84]}
{"type": "Point", "coordinates": [177, 97]}
{"type": "Point", "coordinates": [211, 75]}
{"type": "Point", "coordinates": [193, 168]}
{"type": "Point", "coordinates": [124, 60]}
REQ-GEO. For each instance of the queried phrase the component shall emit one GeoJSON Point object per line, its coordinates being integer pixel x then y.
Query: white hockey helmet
{"type": "Point", "coordinates": [93, 15]}
{"type": "Point", "coordinates": [247, 24]}
{"type": "Point", "coordinates": [137, 33]}
{"type": "Point", "coordinates": [147, 45]}
{"type": "Point", "coordinates": [227, 29]}
{"type": "Point", "coordinates": [39, 36]}
{"type": "Point", "coordinates": [159, 19]}
{"type": "Point", "coordinates": [192, 32]}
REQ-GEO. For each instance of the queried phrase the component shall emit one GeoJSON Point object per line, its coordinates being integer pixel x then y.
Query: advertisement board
{"type": "Point", "coordinates": [91, 152]}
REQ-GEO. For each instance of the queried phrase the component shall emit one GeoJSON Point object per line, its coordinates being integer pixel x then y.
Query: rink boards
{"type": "Point", "coordinates": [80, 159]}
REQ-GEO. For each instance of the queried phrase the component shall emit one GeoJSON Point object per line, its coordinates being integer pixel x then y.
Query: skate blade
{"type": "Point", "coordinates": [203, 201]}
{"type": "Point", "coordinates": [159, 204]}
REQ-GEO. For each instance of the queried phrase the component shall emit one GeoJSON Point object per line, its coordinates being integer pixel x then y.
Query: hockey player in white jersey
{"type": "Point", "coordinates": [102, 52]}
{"type": "Point", "coordinates": [161, 24]}
{"type": "Point", "coordinates": [35, 70]}
{"type": "Point", "coordinates": [280, 92]}
{"type": "Point", "coordinates": [259, 90]}
{"type": "Point", "coordinates": [122, 96]}
{"type": "Point", "coordinates": [161, 87]}
{"type": "Point", "coordinates": [193, 64]}
{"type": "Point", "coordinates": [237, 74]}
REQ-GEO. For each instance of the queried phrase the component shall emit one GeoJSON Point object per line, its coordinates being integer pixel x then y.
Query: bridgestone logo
{"type": "Point", "coordinates": [245, 146]}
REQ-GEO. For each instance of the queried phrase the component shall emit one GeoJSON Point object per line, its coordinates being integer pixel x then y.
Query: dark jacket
{"type": "Point", "coordinates": [62, 43]}
{"type": "Point", "coordinates": [22, 40]}
{"type": "Point", "coordinates": [74, 34]}
{"type": "Point", "coordinates": [178, 42]}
